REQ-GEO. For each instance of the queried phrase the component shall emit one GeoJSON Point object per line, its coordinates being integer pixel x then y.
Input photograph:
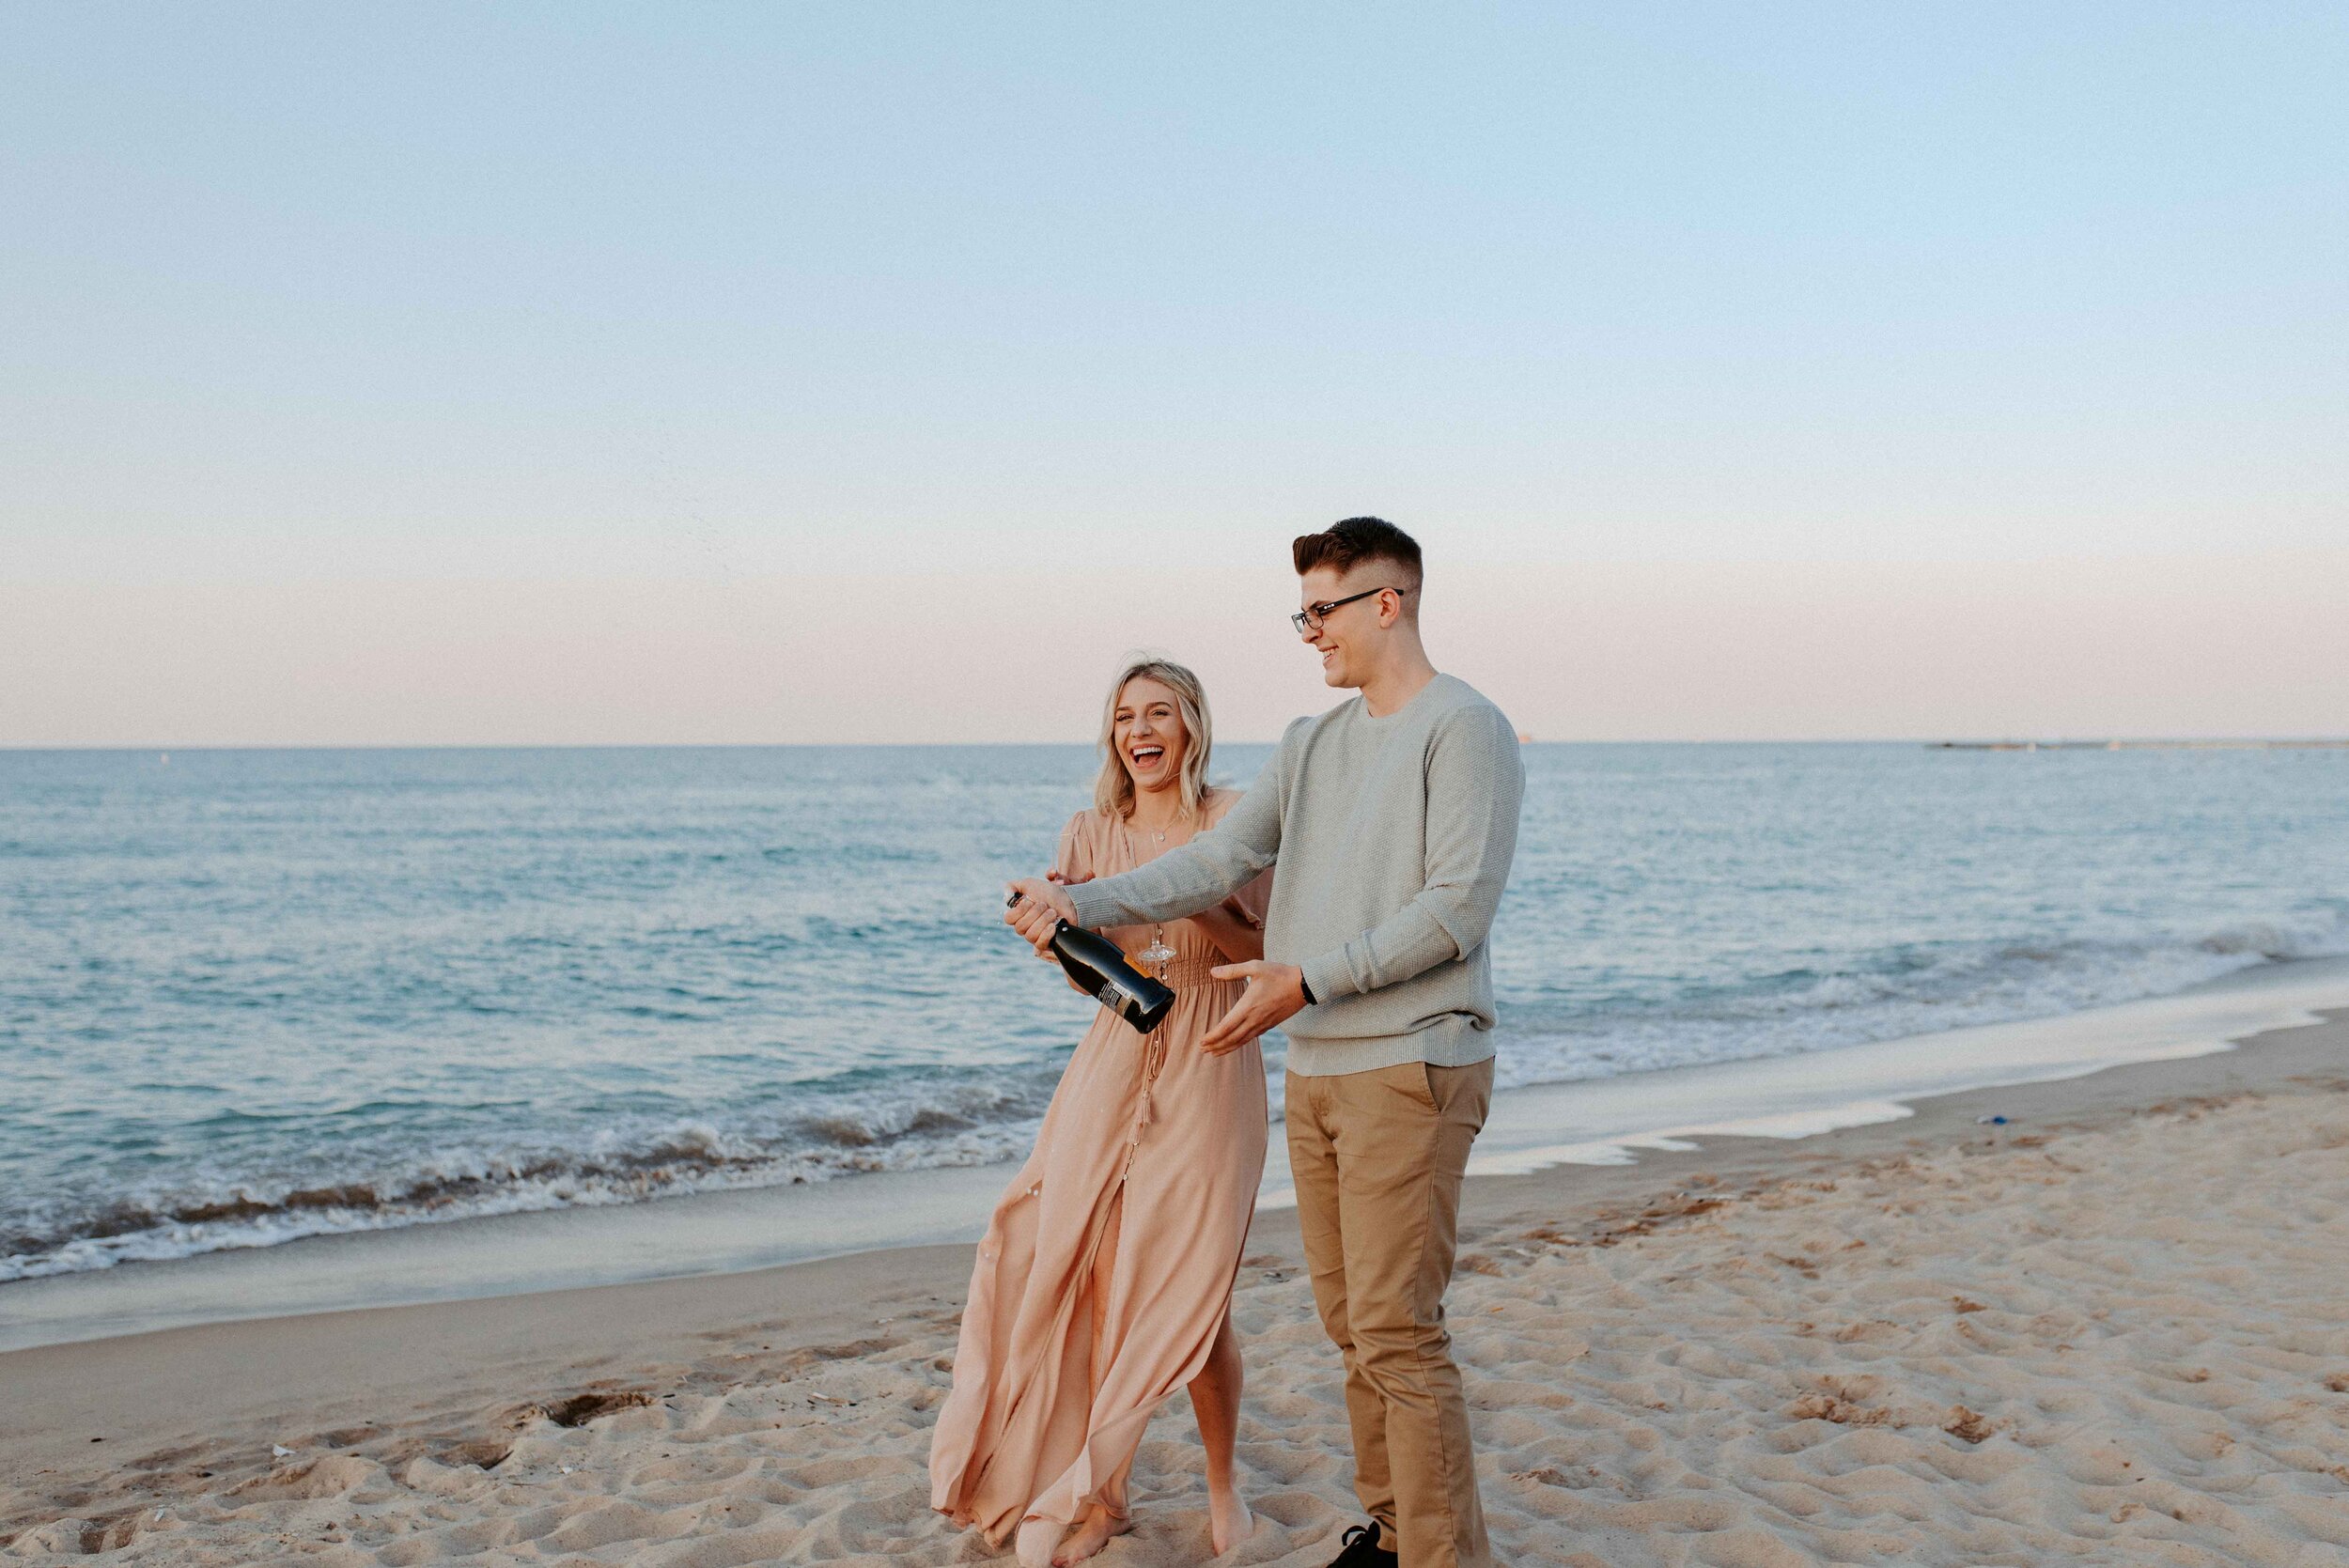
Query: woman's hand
{"type": "Point", "coordinates": [1276, 992]}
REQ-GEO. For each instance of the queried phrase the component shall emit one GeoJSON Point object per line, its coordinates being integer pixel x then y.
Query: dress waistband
{"type": "Point", "coordinates": [1185, 974]}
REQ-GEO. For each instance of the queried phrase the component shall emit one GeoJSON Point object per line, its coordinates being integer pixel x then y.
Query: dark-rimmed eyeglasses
{"type": "Point", "coordinates": [1309, 618]}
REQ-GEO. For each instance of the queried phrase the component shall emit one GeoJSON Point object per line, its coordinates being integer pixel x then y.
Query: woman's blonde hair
{"type": "Point", "coordinates": [1114, 792]}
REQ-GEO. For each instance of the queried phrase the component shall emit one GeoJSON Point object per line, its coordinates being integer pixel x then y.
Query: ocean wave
{"type": "Point", "coordinates": [872, 1120]}
{"type": "Point", "coordinates": [858, 1134]}
{"type": "Point", "coordinates": [1906, 992]}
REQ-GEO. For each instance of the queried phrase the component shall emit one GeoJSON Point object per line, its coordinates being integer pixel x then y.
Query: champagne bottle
{"type": "Point", "coordinates": [1094, 962]}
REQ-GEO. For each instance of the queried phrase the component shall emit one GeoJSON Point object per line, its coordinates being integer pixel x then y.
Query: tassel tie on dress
{"type": "Point", "coordinates": [1183, 975]}
{"type": "Point", "coordinates": [1153, 1063]}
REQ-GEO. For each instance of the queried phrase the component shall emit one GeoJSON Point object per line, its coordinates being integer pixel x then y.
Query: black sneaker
{"type": "Point", "coordinates": [1363, 1549]}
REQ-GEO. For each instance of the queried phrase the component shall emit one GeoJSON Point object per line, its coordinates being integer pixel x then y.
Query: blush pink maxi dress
{"type": "Point", "coordinates": [1042, 1421]}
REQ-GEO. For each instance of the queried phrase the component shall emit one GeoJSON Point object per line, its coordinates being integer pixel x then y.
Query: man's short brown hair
{"type": "Point", "coordinates": [1343, 546]}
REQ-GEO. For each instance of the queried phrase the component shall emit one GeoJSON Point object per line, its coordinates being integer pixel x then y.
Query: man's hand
{"type": "Point", "coordinates": [1276, 992]}
{"type": "Point", "coordinates": [1036, 910]}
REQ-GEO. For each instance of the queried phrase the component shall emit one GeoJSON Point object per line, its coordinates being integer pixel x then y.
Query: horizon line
{"type": "Point", "coordinates": [2004, 742]}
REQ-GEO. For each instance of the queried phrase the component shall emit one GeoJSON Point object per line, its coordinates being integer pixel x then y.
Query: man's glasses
{"type": "Point", "coordinates": [1309, 618]}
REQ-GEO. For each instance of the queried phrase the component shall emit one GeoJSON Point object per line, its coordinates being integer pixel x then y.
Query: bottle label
{"type": "Point", "coordinates": [1113, 997]}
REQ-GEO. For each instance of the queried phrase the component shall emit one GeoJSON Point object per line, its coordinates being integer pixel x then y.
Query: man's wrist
{"type": "Point", "coordinates": [1324, 978]}
{"type": "Point", "coordinates": [1075, 892]}
{"type": "Point", "coordinates": [1304, 989]}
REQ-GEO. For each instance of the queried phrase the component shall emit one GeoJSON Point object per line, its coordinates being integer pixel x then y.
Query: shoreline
{"type": "Point", "coordinates": [1598, 1121]}
{"type": "Point", "coordinates": [194, 1411]}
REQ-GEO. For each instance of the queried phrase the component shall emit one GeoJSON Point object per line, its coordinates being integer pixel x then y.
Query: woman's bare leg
{"type": "Point", "coordinates": [1105, 1518]}
{"type": "Point", "coordinates": [1215, 1400]}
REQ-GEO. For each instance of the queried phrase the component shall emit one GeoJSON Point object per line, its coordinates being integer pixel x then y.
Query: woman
{"type": "Point", "coordinates": [1104, 1283]}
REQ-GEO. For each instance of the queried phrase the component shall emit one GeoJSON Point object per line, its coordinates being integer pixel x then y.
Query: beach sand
{"type": "Point", "coordinates": [2113, 1330]}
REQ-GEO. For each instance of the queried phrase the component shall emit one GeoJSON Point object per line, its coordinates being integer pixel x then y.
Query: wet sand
{"type": "Point", "coordinates": [2110, 1331]}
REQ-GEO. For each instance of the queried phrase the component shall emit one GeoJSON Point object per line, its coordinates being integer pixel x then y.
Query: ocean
{"type": "Point", "coordinates": [252, 996]}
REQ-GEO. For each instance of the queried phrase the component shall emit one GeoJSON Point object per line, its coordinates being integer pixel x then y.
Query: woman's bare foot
{"type": "Point", "coordinates": [1037, 1537]}
{"type": "Point", "coordinates": [1092, 1533]}
{"type": "Point", "coordinates": [1229, 1523]}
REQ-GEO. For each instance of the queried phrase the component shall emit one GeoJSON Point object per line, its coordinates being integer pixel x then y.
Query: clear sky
{"type": "Point", "coordinates": [732, 372]}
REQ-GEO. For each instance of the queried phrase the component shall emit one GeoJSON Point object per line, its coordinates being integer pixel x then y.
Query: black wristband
{"type": "Point", "coordinates": [1306, 991]}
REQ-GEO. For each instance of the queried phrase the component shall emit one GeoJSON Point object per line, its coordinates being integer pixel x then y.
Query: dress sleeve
{"type": "Point", "coordinates": [1252, 900]}
{"type": "Point", "coordinates": [1075, 856]}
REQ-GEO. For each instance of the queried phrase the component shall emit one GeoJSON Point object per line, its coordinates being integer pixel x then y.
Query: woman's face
{"type": "Point", "coordinates": [1148, 734]}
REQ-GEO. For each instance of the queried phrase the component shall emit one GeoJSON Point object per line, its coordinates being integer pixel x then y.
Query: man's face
{"type": "Point", "coordinates": [1349, 635]}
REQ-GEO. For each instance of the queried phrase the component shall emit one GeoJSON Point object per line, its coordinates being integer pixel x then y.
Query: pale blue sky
{"type": "Point", "coordinates": [723, 291]}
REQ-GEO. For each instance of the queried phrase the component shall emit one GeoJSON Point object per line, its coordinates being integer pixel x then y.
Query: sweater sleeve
{"type": "Point", "coordinates": [1195, 876]}
{"type": "Point", "coordinates": [1475, 783]}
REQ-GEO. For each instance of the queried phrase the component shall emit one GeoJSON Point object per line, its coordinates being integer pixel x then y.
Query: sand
{"type": "Point", "coordinates": [2114, 1330]}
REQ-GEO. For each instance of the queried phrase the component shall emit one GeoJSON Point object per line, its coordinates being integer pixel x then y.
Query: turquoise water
{"type": "Point", "coordinates": [246, 996]}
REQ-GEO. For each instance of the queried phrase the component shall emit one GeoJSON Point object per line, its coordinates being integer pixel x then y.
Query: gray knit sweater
{"type": "Point", "coordinates": [1393, 838]}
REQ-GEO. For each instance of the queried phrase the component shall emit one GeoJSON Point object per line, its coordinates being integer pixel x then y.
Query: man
{"type": "Point", "coordinates": [1393, 818]}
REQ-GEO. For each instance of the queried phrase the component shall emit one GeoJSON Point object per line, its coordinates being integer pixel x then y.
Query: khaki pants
{"type": "Point", "coordinates": [1377, 1158]}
